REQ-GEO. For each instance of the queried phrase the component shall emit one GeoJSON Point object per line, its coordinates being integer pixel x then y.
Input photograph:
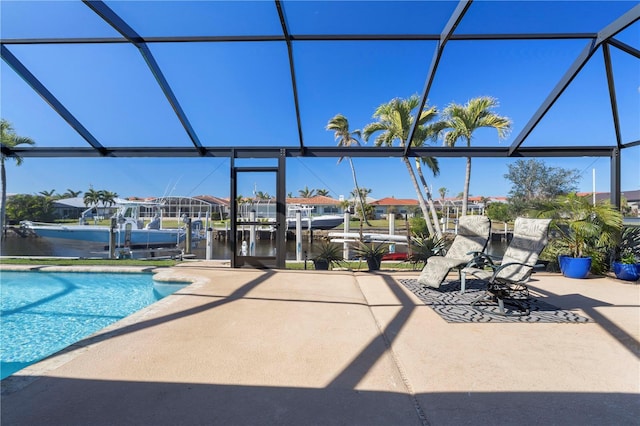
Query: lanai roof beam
{"type": "Point", "coordinates": [130, 34]}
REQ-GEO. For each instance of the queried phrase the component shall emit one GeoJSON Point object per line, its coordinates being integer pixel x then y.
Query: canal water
{"type": "Point", "coordinates": [31, 246]}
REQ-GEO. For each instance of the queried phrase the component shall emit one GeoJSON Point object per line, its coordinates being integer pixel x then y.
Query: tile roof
{"type": "Point", "coordinates": [315, 200]}
{"type": "Point", "coordinates": [391, 201]}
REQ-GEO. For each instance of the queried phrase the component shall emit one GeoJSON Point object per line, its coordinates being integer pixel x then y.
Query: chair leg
{"type": "Point", "coordinates": [463, 281]}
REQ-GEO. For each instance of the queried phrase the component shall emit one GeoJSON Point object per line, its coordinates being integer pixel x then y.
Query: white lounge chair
{"type": "Point", "coordinates": [506, 278]}
{"type": "Point", "coordinates": [472, 238]}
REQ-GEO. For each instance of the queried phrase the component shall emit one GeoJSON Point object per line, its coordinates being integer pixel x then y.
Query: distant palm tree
{"type": "Point", "coordinates": [240, 202]}
{"type": "Point", "coordinates": [345, 204]}
{"type": "Point", "coordinates": [260, 195]}
{"type": "Point", "coordinates": [48, 194]}
{"type": "Point", "coordinates": [362, 192]}
{"type": "Point", "coordinates": [459, 122]}
{"type": "Point", "coordinates": [340, 126]}
{"type": "Point", "coordinates": [323, 192]}
{"type": "Point", "coordinates": [9, 140]}
{"type": "Point", "coordinates": [71, 193]}
{"type": "Point", "coordinates": [91, 197]}
{"type": "Point", "coordinates": [443, 193]}
{"type": "Point", "coordinates": [108, 198]}
{"type": "Point", "coordinates": [306, 192]}
{"type": "Point", "coordinates": [395, 120]}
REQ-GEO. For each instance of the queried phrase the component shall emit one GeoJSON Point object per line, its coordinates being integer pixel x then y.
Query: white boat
{"type": "Point", "coordinates": [130, 229]}
{"type": "Point", "coordinates": [308, 221]}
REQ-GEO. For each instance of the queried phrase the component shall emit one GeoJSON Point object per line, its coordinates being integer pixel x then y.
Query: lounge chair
{"type": "Point", "coordinates": [506, 278]}
{"type": "Point", "coordinates": [472, 238]}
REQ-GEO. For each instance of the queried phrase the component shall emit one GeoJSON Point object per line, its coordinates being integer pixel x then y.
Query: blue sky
{"type": "Point", "coordinates": [239, 94]}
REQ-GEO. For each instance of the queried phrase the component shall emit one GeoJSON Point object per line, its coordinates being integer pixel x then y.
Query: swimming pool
{"type": "Point", "coordinates": [44, 312]}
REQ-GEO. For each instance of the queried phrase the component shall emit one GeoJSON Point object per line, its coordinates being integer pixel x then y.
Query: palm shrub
{"type": "Point", "coordinates": [628, 250]}
{"type": "Point", "coordinates": [372, 253]}
{"type": "Point", "coordinates": [327, 254]}
{"type": "Point", "coordinates": [425, 246]}
{"type": "Point", "coordinates": [581, 229]}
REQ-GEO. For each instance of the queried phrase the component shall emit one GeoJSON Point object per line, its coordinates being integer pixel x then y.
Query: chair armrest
{"type": "Point", "coordinates": [498, 269]}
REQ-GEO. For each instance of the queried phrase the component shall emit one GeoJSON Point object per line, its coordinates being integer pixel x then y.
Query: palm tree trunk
{"type": "Point", "coordinates": [355, 182]}
{"type": "Point", "coordinates": [432, 207]}
{"type": "Point", "coordinates": [465, 194]}
{"type": "Point", "coordinates": [3, 209]}
{"type": "Point", "coordinates": [423, 205]}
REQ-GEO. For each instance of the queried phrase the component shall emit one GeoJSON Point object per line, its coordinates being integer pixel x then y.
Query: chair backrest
{"type": "Point", "coordinates": [530, 236]}
{"type": "Point", "coordinates": [473, 235]}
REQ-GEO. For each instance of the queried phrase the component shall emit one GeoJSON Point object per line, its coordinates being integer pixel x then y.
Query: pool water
{"type": "Point", "coordinates": [44, 312]}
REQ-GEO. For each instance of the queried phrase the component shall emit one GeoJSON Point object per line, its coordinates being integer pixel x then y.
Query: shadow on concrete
{"type": "Point", "coordinates": [72, 402]}
{"type": "Point", "coordinates": [589, 307]}
{"type": "Point", "coordinates": [66, 401]}
{"type": "Point", "coordinates": [236, 295]}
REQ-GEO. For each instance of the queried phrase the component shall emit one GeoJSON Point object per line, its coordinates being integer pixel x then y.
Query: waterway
{"type": "Point", "coordinates": [32, 246]}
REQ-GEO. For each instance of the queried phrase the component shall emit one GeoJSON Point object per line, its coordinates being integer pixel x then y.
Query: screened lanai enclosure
{"type": "Point", "coordinates": [232, 99]}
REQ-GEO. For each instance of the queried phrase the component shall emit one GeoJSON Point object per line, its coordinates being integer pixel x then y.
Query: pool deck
{"type": "Point", "coordinates": [264, 347]}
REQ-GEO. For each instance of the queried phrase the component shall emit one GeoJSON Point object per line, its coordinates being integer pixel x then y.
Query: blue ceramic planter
{"type": "Point", "coordinates": [626, 271]}
{"type": "Point", "coordinates": [574, 267]}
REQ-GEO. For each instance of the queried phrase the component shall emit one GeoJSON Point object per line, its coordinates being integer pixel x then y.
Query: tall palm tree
{"type": "Point", "coordinates": [460, 121]}
{"type": "Point", "coordinates": [433, 165]}
{"type": "Point", "coordinates": [395, 120]}
{"type": "Point", "coordinates": [340, 126]}
{"type": "Point", "coordinates": [9, 139]}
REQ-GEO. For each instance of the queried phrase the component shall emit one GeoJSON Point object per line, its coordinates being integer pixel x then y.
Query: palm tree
{"type": "Point", "coordinates": [462, 121]}
{"type": "Point", "coordinates": [443, 193]}
{"type": "Point", "coordinates": [108, 198]}
{"type": "Point", "coordinates": [91, 197]}
{"type": "Point", "coordinates": [345, 204]}
{"type": "Point", "coordinates": [48, 194]}
{"type": "Point", "coordinates": [361, 193]}
{"type": "Point", "coordinates": [395, 120]}
{"type": "Point", "coordinates": [261, 195]}
{"type": "Point", "coordinates": [306, 192]}
{"type": "Point", "coordinates": [9, 139]}
{"type": "Point", "coordinates": [71, 193]}
{"type": "Point", "coordinates": [323, 192]}
{"type": "Point", "coordinates": [433, 165]}
{"type": "Point", "coordinates": [340, 126]}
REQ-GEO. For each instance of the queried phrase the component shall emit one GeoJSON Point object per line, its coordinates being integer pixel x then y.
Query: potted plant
{"type": "Point", "coordinates": [372, 253]}
{"type": "Point", "coordinates": [627, 267]}
{"type": "Point", "coordinates": [327, 255]}
{"type": "Point", "coordinates": [582, 234]}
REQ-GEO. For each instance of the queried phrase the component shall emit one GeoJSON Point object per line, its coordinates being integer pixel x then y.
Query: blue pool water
{"type": "Point", "coordinates": [44, 312]}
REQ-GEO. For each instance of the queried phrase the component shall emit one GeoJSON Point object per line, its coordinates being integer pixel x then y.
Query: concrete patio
{"type": "Point", "coordinates": [245, 347]}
